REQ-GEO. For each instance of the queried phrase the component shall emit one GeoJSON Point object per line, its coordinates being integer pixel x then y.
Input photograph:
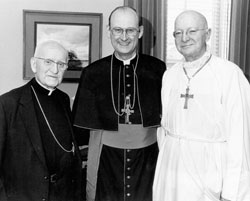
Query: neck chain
{"type": "Point", "coordinates": [124, 87]}
{"type": "Point", "coordinates": [47, 122]}
{"type": "Point", "coordinates": [190, 77]}
{"type": "Point", "coordinates": [187, 95]}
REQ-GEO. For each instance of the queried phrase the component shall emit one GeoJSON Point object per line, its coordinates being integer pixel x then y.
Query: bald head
{"type": "Point", "coordinates": [49, 63]}
{"type": "Point", "coordinates": [43, 47]}
{"type": "Point", "coordinates": [124, 20]}
{"type": "Point", "coordinates": [124, 9]}
{"type": "Point", "coordinates": [191, 18]}
{"type": "Point", "coordinates": [191, 34]}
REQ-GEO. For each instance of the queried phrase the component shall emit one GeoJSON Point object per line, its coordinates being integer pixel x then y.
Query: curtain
{"type": "Point", "coordinates": [152, 14]}
{"type": "Point", "coordinates": [239, 50]}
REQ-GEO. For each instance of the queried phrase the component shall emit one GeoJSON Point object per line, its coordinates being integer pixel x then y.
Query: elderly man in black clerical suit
{"type": "Point", "coordinates": [118, 100]}
{"type": "Point", "coordinates": [39, 159]}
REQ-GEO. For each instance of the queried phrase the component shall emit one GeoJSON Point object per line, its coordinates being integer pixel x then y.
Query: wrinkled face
{"type": "Point", "coordinates": [125, 43]}
{"type": "Point", "coordinates": [191, 34]}
{"type": "Point", "coordinates": [46, 66]}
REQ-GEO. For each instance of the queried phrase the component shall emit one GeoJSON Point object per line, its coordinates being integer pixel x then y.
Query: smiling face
{"type": "Point", "coordinates": [50, 76]}
{"type": "Point", "coordinates": [125, 45]}
{"type": "Point", "coordinates": [191, 46]}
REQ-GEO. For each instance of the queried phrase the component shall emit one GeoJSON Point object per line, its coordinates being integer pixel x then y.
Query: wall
{"type": "Point", "coordinates": [11, 34]}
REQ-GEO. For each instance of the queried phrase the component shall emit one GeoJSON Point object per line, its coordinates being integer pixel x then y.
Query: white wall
{"type": "Point", "coordinates": [11, 34]}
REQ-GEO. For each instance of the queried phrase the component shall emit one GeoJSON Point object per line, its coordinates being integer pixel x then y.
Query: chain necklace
{"type": "Point", "coordinates": [47, 122]}
{"type": "Point", "coordinates": [190, 77]}
{"type": "Point", "coordinates": [124, 90]}
{"type": "Point", "coordinates": [187, 96]}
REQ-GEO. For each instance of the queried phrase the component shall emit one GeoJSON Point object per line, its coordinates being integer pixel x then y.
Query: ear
{"type": "Point", "coordinates": [208, 34]}
{"type": "Point", "coordinates": [108, 31]}
{"type": "Point", "coordinates": [33, 64]}
{"type": "Point", "coordinates": [141, 29]}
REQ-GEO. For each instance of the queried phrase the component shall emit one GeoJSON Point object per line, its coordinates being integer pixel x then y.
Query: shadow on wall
{"type": "Point", "coordinates": [248, 77]}
{"type": "Point", "coordinates": [148, 40]}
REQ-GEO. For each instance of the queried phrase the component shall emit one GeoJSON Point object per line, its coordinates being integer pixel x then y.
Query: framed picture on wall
{"type": "Point", "coordinates": [80, 33]}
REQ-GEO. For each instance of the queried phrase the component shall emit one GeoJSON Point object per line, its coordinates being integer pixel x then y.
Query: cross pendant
{"type": "Point", "coordinates": [127, 110]}
{"type": "Point", "coordinates": [187, 96]}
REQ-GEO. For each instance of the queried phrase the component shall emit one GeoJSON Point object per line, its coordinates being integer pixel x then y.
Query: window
{"type": "Point", "coordinates": [217, 13]}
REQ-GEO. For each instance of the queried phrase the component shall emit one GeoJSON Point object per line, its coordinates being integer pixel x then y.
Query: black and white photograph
{"type": "Point", "coordinates": [125, 100]}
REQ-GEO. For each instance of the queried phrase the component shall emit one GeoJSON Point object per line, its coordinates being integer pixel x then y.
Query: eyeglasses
{"type": "Point", "coordinates": [49, 62]}
{"type": "Point", "coordinates": [189, 32]}
{"type": "Point", "coordinates": [117, 31]}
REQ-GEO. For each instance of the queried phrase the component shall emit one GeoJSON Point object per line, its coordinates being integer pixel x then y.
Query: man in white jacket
{"type": "Point", "coordinates": [204, 133]}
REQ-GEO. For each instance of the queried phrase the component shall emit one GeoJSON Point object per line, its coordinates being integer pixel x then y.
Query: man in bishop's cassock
{"type": "Point", "coordinates": [118, 102]}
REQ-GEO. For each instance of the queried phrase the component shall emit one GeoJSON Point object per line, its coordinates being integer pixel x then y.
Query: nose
{"type": "Point", "coordinates": [185, 37]}
{"type": "Point", "coordinates": [54, 68]}
{"type": "Point", "coordinates": [124, 35]}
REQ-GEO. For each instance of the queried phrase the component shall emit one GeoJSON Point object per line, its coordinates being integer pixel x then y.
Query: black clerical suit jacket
{"type": "Point", "coordinates": [24, 174]}
{"type": "Point", "coordinates": [93, 106]}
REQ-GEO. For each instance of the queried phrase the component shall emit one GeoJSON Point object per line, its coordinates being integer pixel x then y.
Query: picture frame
{"type": "Point", "coordinates": [80, 33]}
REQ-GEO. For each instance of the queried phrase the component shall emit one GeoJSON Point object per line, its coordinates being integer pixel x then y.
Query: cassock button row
{"type": "Point", "coordinates": [127, 75]}
{"type": "Point", "coordinates": [128, 159]}
{"type": "Point", "coordinates": [127, 66]}
{"type": "Point", "coordinates": [128, 186]}
{"type": "Point", "coordinates": [128, 85]}
{"type": "Point", "coordinates": [128, 150]}
{"type": "Point", "coordinates": [128, 177]}
{"type": "Point", "coordinates": [128, 194]}
{"type": "Point", "coordinates": [128, 168]}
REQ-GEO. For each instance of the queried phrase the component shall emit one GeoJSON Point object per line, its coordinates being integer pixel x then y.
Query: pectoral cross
{"type": "Point", "coordinates": [187, 96]}
{"type": "Point", "coordinates": [127, 110]}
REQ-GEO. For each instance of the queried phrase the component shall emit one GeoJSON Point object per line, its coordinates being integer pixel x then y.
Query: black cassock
{"type": "Point", "coordinates": [60, 163]}
{"type": "Point", "coordinates": [123, 174]}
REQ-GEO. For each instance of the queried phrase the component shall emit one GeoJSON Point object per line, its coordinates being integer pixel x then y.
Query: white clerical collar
{"type": "Point", "coordinates": [127, 61]}
{"type": "Point", "coordinates": [50, 90]}
{"type": "Point", "coordinates": [197, 63]}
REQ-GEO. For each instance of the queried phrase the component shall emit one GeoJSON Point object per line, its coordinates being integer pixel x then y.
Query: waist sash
{"type": "Point", "coordinates": [130, 136]}
{"type": "Point", "coordinates": [194, 139]}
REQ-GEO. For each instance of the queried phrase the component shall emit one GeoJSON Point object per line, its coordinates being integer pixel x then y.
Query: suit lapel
{"type": "Point", "coordinates": [29, 118]}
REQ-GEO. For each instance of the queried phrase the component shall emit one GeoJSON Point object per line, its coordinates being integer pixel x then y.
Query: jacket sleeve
{"type": "Point", "coordinates": [3, 131]}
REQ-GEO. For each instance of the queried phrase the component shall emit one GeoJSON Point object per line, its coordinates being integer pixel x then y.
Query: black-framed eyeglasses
{"type": "Point", "coordinates": [189, 32]}
{"type": "Point", "coordinates": [49, 62]}
{"type": "Point", "coordinates": [117, 31]}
